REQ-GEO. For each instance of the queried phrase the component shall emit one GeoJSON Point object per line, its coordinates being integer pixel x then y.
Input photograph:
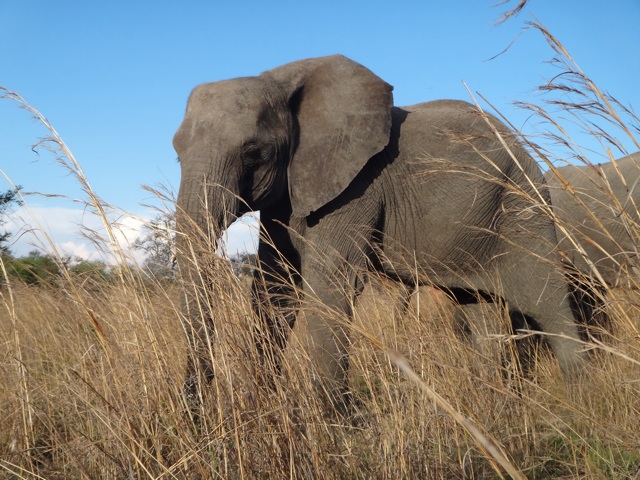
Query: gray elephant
{"type": "Point", "coordinates": [436, 193]}
{"type": "Point", "coordinates": [598, 217]}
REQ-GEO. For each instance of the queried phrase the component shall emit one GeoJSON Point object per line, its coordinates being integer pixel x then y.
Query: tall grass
{"type": "Point", "coordinates": [91, 387]}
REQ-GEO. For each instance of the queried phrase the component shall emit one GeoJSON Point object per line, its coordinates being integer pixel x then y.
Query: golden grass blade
{"type": "Point", "coordinates": [481, 439]}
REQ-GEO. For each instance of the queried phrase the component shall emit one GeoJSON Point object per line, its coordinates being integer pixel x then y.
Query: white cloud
{"type": "Point", "coordinates": [81, 233]}
{"type": "Point", "coordinates": [242, 235]}
{"type": "Point", "coordinates": [69, 231]}
{"type": "Point", "coordinates": [76, 250]}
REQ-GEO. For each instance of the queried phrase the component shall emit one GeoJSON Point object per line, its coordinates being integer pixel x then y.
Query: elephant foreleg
{"type": "Point", "coordinates": [275, 295]}
{"type": "Point", "coordinates": [199, 328]}
{"type": "Point", "coordinates": [275, 304]}
{"type": "Point", "coordinates": [328, 338]}
{"type": "Point", "coordinates": [199, 369]}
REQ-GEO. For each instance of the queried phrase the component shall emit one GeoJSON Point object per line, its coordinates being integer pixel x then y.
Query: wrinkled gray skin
{"type": "Point", "coordinates": [345, 183]}
{"type": "Point", "coordinates": [601, 217]}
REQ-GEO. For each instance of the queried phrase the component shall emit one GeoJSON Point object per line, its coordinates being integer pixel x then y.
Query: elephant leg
{"type": "Point", "coordinates": [199, 329]}
{"type": "Point", "coordinates": [199, 369]}
{"type": "Point", "coordinates": [527, 348]}
{"type": "Point", "coordinates": [275, 303]}
{"type": "Point", "coordinates": [538, 289]}
{"type": "Point", "coordinates": [328, 338]}
{"type": "Point", "coordinates": [587, 298]}
{"type": "Point", "coordinates": [274, 293]}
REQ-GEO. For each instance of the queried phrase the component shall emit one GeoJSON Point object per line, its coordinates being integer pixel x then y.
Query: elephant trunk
{"type": "Point", "coordinates": [205, 210]}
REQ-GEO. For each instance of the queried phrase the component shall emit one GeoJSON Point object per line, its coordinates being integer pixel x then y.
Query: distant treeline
{"type": "Point", "coordinates": [38, 268]}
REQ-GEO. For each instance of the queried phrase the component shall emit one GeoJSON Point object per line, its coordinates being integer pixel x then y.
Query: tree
{"type": "Point", "coordinates": [35, 268]}
{"type": "Point", "coordinates": [7, 200]}
{"type": "Point", "coordinates": [93, 270]}
{"type": "Point", "coordinates": [38, 268]}
{"type": "Point", "coordinates": [243, 263]}
{"type": "Point", "coordinates": [158, 243]}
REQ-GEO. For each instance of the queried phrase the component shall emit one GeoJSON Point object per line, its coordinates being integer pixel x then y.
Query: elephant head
{"type": "Point", "coordinates": [289, 140]}
{"type": "Point", "coordinates": [299, 133]}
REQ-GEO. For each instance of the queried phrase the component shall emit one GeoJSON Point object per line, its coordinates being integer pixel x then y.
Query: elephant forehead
{"type": "Point", "coordinates": [225, 111]}
{"type": "Point", "coordinates": [238, 96]}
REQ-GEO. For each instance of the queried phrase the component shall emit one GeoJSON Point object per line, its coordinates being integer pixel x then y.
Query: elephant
{"type": "Point", "coordinates": [595, 208]}
{"type": "Point", "coordinates": [597, 216]}
{"type": "Point", "coordinates": [438, 193]}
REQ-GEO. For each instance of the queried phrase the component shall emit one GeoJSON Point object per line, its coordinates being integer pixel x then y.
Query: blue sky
{"type": "Point", "coordinates": [113, 77]}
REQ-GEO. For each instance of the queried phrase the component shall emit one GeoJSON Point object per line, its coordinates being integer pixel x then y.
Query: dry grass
{"type": "Point", "coordinates": [76, 405]}
{"type": "Point", "coordinates": [91, 387]}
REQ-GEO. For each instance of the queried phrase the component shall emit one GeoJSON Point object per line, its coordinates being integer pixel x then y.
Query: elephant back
{"type": "Point", "coordinates": [597, 213]}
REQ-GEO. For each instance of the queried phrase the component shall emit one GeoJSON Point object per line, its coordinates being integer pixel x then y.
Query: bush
{"type": "Point", "coordinates": [34, 268]}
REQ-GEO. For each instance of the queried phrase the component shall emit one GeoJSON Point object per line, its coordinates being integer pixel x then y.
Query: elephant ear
{"type": "Point", "coordinates": [344, 114]}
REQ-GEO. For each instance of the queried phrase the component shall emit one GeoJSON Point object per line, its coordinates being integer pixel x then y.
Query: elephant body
{"type": "Point", "coordinates": [598, 216]}
{"type": "Point", "coordinates": [418, 215]}
{"type": "Point", "coordinates": [438, 193]}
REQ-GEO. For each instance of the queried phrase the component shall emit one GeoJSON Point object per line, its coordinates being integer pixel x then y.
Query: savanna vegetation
{"type": "Point", "coordinates": [91, 371]}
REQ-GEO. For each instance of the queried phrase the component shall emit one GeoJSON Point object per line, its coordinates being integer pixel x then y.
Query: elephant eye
{"type": "Point", "coordinates": [255, 155]}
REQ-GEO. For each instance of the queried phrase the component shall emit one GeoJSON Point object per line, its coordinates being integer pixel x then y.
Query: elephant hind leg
{"type": "Point", "coordinates": [587, 299]}
{"type": "Point", "coordinates": [538, 290]}
{"type": "Point", "coordinates": [529, 345]}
